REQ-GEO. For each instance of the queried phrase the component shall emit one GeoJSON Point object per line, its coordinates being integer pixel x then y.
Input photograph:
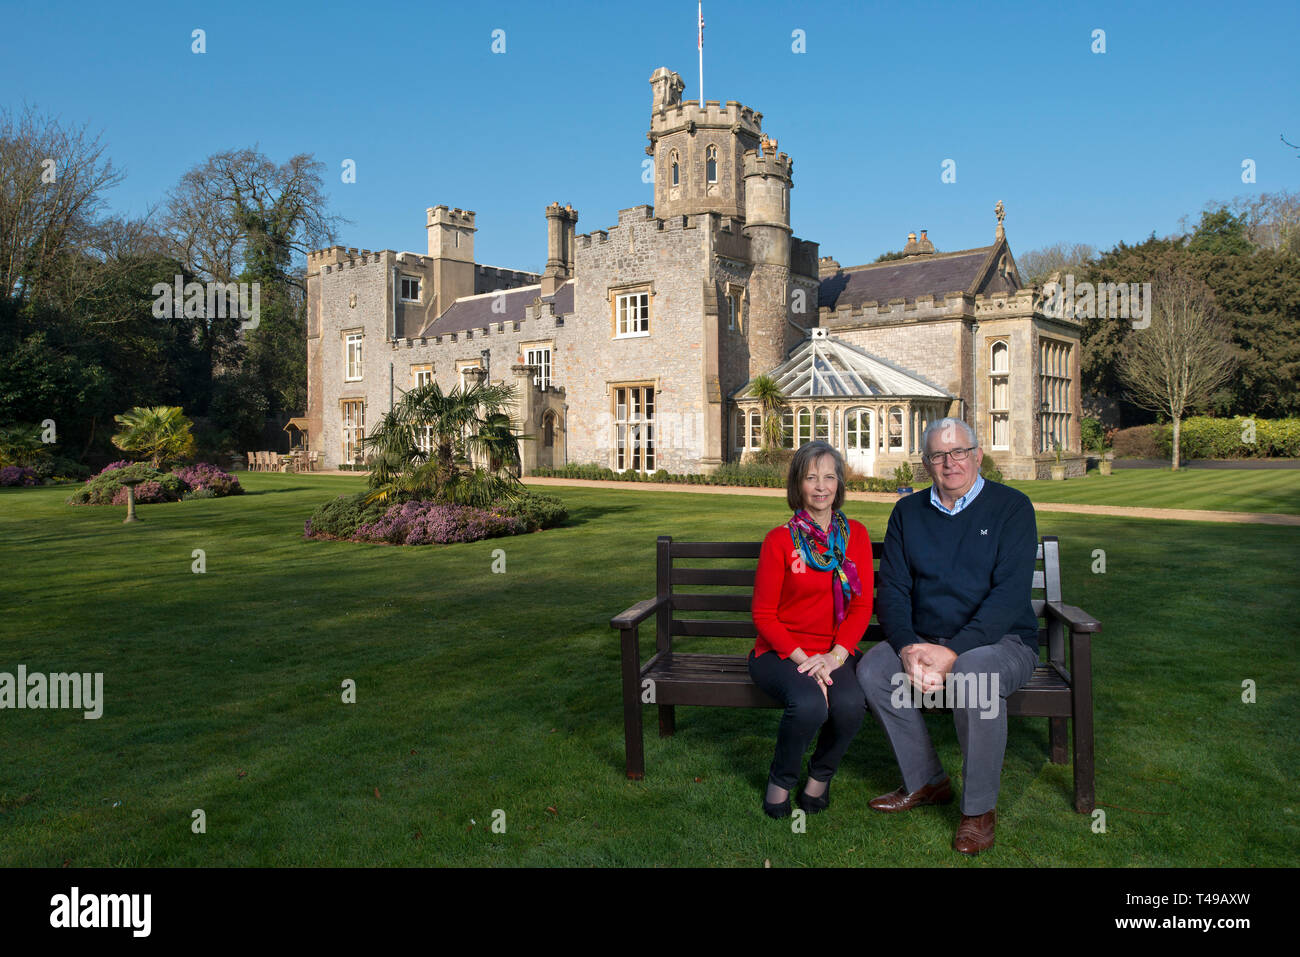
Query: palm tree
{"type": "Point", "coordinates": [770, 400]}
{"type": "Point", "coordinates": [461, 425]}
{"type": "Point", "coordinates": [159, 433]}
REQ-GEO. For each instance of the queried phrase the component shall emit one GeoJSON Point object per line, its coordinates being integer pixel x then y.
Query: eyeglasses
{"type": "Point", "coordinates": [958, 455]}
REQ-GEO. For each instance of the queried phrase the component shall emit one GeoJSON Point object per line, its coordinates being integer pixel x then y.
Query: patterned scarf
{"type": "Point", "coordinates": [825, 552]}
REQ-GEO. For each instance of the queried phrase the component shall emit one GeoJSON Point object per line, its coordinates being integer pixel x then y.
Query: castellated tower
{"type": "Point", "coordinates": [451, 247]}
{"type": "Point", "coordinates": [698, 150]}
{"type": "Point", "coordinates": [767, 179]}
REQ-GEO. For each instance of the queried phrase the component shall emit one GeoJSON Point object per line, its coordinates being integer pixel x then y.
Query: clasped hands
{"type": "Point", "coordinates": [927, 665]}
{"type": "Point", "coordinates": [820, 667]}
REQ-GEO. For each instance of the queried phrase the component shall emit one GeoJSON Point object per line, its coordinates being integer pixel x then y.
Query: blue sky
{"type": "Point", "coordinates": [1081, 146]}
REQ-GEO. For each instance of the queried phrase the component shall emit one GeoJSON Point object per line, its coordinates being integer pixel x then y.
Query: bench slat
{"type": "Point", "coordinates": [743, 577]}
{"type": "Point", "coordinates": [687, 601]}
{"type": "Point", "coordinates": [716, 549]}
{"type": "Point", "coordinates": [714, 627]}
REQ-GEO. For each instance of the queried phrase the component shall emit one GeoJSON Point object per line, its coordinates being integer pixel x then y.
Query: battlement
{"type": "Point", "coordinates": [341, 257]}
{"type": "Point", "coordinates": [950, 305]}
{"type": "Point", "coordinates": [644, 215]}
{"type": "Point", "coordinates": [441, 215]}
{"type": "Point", "coordinates": [1018, 303]}
{"type": "Point", "coordinates": [636, 214]}
{"type": "Point", "coordinates": [767, 164]}
{"type": "Point", "coordinates": [712, 116]}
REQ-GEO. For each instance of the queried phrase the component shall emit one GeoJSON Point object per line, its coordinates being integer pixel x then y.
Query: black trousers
{"type": "Point", "coordinates": [806, 711]}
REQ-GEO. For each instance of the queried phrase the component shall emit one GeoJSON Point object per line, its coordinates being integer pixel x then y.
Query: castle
{"type": "Point", "coordinates": [636, 347]}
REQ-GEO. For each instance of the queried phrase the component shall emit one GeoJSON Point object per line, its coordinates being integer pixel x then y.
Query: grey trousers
{"type": "Point", "coordinates": [980, 681]}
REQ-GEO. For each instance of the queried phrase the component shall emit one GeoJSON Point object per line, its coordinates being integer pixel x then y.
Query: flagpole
{"type": "Point", "coordinates": [701, 46]}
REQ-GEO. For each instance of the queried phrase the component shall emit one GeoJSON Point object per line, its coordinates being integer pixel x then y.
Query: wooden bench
{"type": "Point", "coordinates": [1059, 690]}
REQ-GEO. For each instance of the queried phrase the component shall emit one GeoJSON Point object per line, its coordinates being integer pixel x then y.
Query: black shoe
{"type": "Point", "coordinates": [812, 805]}
{"type": "Point", "coordinates": [778, 810]}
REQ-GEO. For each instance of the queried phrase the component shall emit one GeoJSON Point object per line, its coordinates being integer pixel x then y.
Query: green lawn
{"type": "Point", "coordinates": [1233, 490]}
{"type": "Point", "coordinates": [479, 691]}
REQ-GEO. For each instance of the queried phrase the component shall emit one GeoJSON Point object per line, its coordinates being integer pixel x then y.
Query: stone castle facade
{"type": "Point", "coordinates": [637, 346]}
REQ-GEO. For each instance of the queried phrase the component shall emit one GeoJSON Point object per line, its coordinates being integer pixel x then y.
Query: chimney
{"type": "Point", "coordinates": [560, 224]}
{"type": "Point", "coordinates": [924, 247]}
{"type": "Point", "coordinates": [910, 248]}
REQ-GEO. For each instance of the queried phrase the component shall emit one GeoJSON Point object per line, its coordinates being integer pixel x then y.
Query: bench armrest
{"type": "Point", "coordinates": [1076, 618]}
{"type": "Point", "coordinates": [637, 613]}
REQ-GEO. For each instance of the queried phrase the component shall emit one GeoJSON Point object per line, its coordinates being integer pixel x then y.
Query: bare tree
{"type": "Point", "coordinates": [238, 202]}
{"type": "Point", "coordinates": [52, 180]}
{"type": "Point", "coordinates": [1174, 364]}
{"type": "Point", "coordinates": [1037, 264]}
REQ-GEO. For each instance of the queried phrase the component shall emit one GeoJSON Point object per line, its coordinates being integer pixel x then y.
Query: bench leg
{"type": "Point", "coordinates": [1081, 700]}
{"type": "Point", "coordinates": [633, 743]}
{"type": "Point", "coordinates": [1084, 797]}
{"type": "Point", "coordinates": [667, 720]}
{"type": "Point", "coordinates": [1058, 734]}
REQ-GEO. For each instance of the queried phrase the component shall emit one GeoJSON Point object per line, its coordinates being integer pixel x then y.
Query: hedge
{"type": "Point", "coordinates": [1203, 437]}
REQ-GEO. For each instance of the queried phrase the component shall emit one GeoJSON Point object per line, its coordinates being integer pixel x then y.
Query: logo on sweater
{"type": "Point", "coordinates": [984, 531]}
{"type": "Point", "coordinates": [976, 690]}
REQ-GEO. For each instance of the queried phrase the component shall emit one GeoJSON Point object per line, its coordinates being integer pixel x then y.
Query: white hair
{"type": "Point", "coordinates": [947, 423]}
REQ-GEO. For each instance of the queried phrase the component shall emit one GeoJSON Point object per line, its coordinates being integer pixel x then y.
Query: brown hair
{"type": "Point", "coordinates": [808, 453]}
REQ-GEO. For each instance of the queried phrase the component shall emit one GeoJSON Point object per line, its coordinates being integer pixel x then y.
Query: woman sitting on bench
{"type": "Point", "coordinates": [812, 604]}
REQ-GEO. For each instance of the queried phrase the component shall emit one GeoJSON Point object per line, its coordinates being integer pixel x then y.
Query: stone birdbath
{"type": "Point", "coordinates": [130, 484]}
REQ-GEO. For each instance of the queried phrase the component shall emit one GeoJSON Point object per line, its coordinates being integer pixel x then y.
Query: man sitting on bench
{"type": "Point", "coordinates": [953, 598]}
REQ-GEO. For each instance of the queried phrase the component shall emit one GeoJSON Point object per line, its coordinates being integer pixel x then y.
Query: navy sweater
{"type": "Point", "coordinates": [966, 576]}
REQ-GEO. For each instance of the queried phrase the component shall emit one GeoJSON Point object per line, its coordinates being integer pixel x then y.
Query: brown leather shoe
{"type": "Point", "coordinates": [900, 800]}
{"type": "Point", "coordinates": [975, 833]}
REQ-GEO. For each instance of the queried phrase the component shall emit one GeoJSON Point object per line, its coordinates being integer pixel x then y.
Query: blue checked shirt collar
{"type": "Point", "coordinates": [962, 502]}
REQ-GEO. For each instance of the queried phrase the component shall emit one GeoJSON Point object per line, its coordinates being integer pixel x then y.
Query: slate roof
{"type": "Point", "coordinates": [935, 275]}
{"type": "Point", "coordinates": [475, 312]}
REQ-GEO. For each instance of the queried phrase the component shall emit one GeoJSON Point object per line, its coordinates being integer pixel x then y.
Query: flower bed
{"type": "Point", "coordinates": [17, 475]}
{"type": "Point", "coordinates": [195, 481]}
{"type": "Point", "coordinates": [350, 518]}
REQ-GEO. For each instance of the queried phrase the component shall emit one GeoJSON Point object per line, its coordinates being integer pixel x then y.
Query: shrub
{"type": "Point", "coordinates": [60, 467]}
{"type": "Point", "coordinates": [104, 488]}
{"type": "Point", "coordinates": [903, 475]}
{"type": "Point", "coordinates": [17, 475]}
{"type": "Point", "coordinates": [339, 517]}
{"type": "Point", "coordinates": [1202, 437]}
{"type": "Point", "coordinates": [201, 492]}
{"type": "Point", "coordinates": [989, 469]}
{"type": "Point", "coordinates": [1092, 435]}
{"type": "Point", "coordinates": [773, 457]}
{"type": "Point", "coordinates": [751, 473]}
{"type": "Point", "coordinates": [435, 523]}
{"type": "Point", "coordinates": [536, 511]}
{"type": "Point", "coordinates": [204, 476]}
{"type": "Point", "coordinates": [1138, 442]}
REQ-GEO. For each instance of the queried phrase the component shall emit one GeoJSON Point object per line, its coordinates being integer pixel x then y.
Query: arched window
{"type": "Point", "coordinates": [787, 429]}
{"type": "Point", "coordinates": [738, 430]}
{"type": "Point", "coordinates": [822, 424]}
{"type": "Point", "coordinates": [755, 429]}
{"type": "Point", "coordinates": [896, 428]}
{"type": "Point", "coordinates": [548, 431]}
{"type": "Point", "coordinates": [1000, 394]}
{"type": "Point", "coordinates": [676, 167]}
{"type": "Point", "coordinates": [711, 155]}
{"type": "Point", "coordinates": [805, 425]}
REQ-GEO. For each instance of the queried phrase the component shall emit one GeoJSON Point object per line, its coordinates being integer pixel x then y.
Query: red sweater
{"type": "Point", "coordinates": [797, 610]}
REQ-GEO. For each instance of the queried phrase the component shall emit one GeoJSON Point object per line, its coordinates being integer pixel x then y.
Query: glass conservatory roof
{"type": "Point", "coordinates": [826, 366]}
